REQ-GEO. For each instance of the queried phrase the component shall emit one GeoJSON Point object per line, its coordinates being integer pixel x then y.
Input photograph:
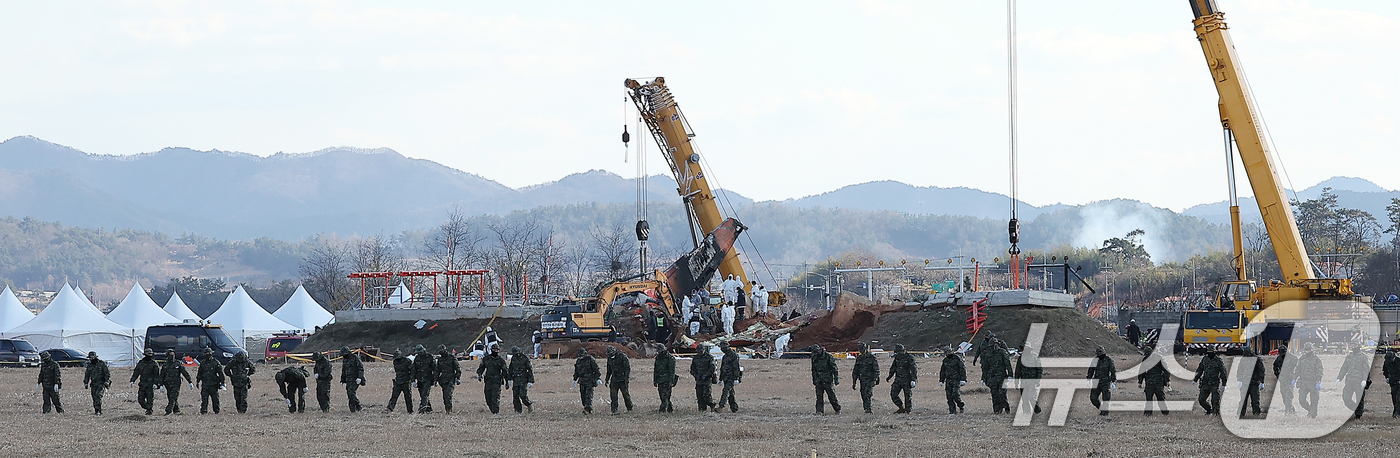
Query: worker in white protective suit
{"type": "Point", "coordinates": [781, 345]}
{"type": "Point", "coordinates": [759, 300]}
{"type": "Point", "coordinates": [730, 289]}
{"type": "Point", "coordinates": [727, 315]}
{"type": "Point", "coordinates": [687, 309]}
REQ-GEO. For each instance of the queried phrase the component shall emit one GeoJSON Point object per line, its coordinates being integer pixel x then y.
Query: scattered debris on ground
{"type": "Point", "coordinates": [842, 327]}
{"type": "Point", "coordinates": [1069, 332]}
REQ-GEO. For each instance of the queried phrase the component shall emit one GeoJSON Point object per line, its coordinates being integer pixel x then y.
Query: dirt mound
{"type": "Point", "coordinates": [1069, 333]}
{"type": "Point", "coordinates": [402, 335]}
{"type": "Point", "coordinates": [841, 329]}
{"type": "Point", "coordinates": [597, 349]}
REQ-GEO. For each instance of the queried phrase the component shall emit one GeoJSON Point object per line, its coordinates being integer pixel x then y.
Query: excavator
{"type": "Point", "coordinates": [1241, 299]}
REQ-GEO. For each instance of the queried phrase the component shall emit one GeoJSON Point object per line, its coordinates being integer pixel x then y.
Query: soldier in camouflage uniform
{"type": "Point", "coordinates": [493, 371]}
{"type": "Point", "coordinates": [170, 373]}
{"type": "Point", "coordinates": [449, 375]}
{"type": "Point", "coordinates": [352, 375]}
{"type": "Point", "coordinates": [1102, 374]}
{"type": "Point", "coordinates": [1251, 378]}
{"type": "Point", "coordinates": [730, 374]}
{"type": "Point", "coordinates": [1028, 373]}
{"type": "Point", "coordinates": [424, 377]}
{"type": "Point", "coordinates": [97, 379]}
{"type": "Point", "coordinates": [291, 382]}
{"type": "Point", "coordinates": [905, 376]}
{"type": "Point", "coordinates": [50, 381]}
{"type": "Point", "coordinates": [824, 377]}
{"type": "Point", "coordinates": [663, 377]}
{"type": "Point", "coordinates": [521, 378]}
{"type": "Point", "coordinates": [209, 379]}
{"type": "Point", "coordinates": [618, 377]}
{"type": "Point", "coordinates": [702, 368]}
{"type": "Point", "coordinates": [1284, 375]}
{"type": "Point", "coordinates": [996, 368]}
{"type": "Point", "coordinates": [1157, 379]}
{"type": "Point", "coordinates": [325, 375]}
{"type": "Point", "coordinates": [240, 373]}
{"type": "Point", "coordinates": [148, 370]}
{"type": "Point", "coordinates": [403, 382]}
{"type": "Point", "coordinates": [865, 375]}
{"type": "Point", "coordinates": [586, 377]}
{"type": "Point", "coordinates": [952, 376]}
{"type": "Point", "coordinates": [1355, 377]}
{"type": "Point", "coordinates": [1390, 369]}
{"type": "Point", "coordinates": [1211, 375]}
{"type": "Point", "coordinates": [1309, 379]}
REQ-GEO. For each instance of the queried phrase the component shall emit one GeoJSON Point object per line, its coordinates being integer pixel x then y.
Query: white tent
{"type": "Point", "coordinates": [302, 312]}
{"type": "Point", "coordinates": [244, 319]}
{"type": "Point", "coordinates": [68, 322]}
{"type": "Point", "coordinates": [138, 312]}
{"type": "Point", "coordinates": [176, 307]}
{"type": "Point", "coordinates": [79, 290]}
{"type": "Point", "coordinates": [400, 295]}
{"type": "Point", "coordinates": [12, 312]}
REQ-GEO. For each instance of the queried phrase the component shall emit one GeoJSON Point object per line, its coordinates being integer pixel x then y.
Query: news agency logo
{"type": "Point", "coordinates": [1332, 409]}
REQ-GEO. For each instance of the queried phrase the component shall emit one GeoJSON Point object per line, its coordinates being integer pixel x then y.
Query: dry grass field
{"type": "Point", "coordinates": [775, 419]}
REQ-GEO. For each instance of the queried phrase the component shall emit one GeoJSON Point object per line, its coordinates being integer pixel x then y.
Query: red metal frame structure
{"type": "Point", "coordinates": [363, 275]}
{"type": "Point", "coordinates": [413, 274]}
{"type": "Point", "coordinates": [480, 273]}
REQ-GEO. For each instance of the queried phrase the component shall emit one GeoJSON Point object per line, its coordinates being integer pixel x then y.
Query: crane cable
{"type": "Point", "coordinates": [730, 205]}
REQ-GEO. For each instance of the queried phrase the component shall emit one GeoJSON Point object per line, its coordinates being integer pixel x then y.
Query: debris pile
{"type": "Point", "coordinates": [1069, 333]}
{"type": "Point", "coordinates": [842, 328]}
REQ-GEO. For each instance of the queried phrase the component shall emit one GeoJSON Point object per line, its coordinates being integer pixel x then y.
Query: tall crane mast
{"type": "Point", "coordinates": [673, 135]}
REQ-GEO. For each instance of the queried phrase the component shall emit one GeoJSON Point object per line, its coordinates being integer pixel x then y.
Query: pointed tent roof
{"type": "Point", "coordinates": [400, 295]}
{"type": "Point", "coordinates": [138, 311]}
{"type": "Point", "coordinates": [12, 312]}
{"type": "Point", "coordinates": [79, 290]}
{"type": "Point", "coordinates": [70, 322]}
{"type": "Point", "coordinates": [303, 312]}
{"type": "Point", "coordinates": [241, 316]}
{"type": "Point", "coordinates": [176, 307]}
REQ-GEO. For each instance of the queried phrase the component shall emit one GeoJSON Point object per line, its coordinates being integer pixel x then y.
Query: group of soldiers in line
{"type": "Point", "coordinates": [422, 371]}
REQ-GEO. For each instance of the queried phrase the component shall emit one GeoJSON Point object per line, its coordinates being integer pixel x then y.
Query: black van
{"type": "Point", "coordinates": [190, 340]}
{"type": "Point", "coordinates": [18, 352]}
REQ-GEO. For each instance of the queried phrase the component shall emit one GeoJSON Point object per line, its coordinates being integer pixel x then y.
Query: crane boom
{"type": "Point", "coordinates": [1238, 113]}
{"type": "Point", "coordinates": [672, 133]}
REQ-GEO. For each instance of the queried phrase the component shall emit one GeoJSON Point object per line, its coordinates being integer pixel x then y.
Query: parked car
{"type": "Point", "coordinates": [281, 344]}
{"type": "Point", "coordinates": [190, 340]}
{"type": "Point", "coordinates": [67, 357]}
{"type": "Point", "coordinates": [18, 352]}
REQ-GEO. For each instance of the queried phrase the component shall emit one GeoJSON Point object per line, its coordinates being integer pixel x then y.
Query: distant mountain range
{"type": "Point", "coordinates": [1351, 192]}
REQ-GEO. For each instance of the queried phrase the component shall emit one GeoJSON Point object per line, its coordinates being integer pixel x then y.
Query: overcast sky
{"type": "Point", "coordinates": [787, 98]}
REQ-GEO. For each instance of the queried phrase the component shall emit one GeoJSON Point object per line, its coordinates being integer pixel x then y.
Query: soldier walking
{"type": "Point", "coordinates": [1309, 379]}
{"type": "Point", "coordinates": [148, 371]}
{"type": "Point", "coordinates": [50, 381]}
{"type": "Point", "coordinates": [586, 377]}
{"type": "Point", "coordinates": [865, 375]}
{"type": "Point", "coordinates": [1102, 374]}
{"type": "Point", "coordinates": [424, 377]}
{"type": "Point", "coordinates": [702, 368]}
{"type": "Point", "coordinates": [1251, 380]}
{"type": "Point", "coordinates": [449, 375]}
{"type": "Point", "coordinates": [403, 382]}
{"type": "Point", "coordinates": [521, 375]}
{"type": "Point", "coordinates": [352, 375]}
{"type": "Point", "coordinates": [905, 376]}
{"type": "Point", "coordinates": [170, 373]}
{"type": "Point", "coordinates": [1390, 369]}
{"type": "Point", "coordinates": [996, 368]}
{"type": "Point", "coordinates": [1284, 377]}
{"type": "Point", "coordinates": [324, 374]}
{"type": "Point", "coordinates": [209, 379]}
{"type": "Point", "coordinates": [618, 377]}
{"type": "Point", "coordinates": [1157, 379]}
{"type": "Point", "coordinates": [1211, 375]}
{"type": "Point", "coordinates": [1028, 373]}
{"type": "Point", "coordinates": [291, 381]}
{"type": "Point", "coordinates": [663, 377]}
{"type": "Point", "coordinates": [952, 376]}
{"type": "Point", "coordinates": [824, 377]}
{"type": "Point", "coordinates": [492, 370]}
{"type": "Point", "coordinates": [240, 373]}
{"type": "Point", "coordinates": [730, 374]}
{"type": "Point", "coordinates": [1355, 377]}
{"type": "Point", "coordinates": [97, 379]}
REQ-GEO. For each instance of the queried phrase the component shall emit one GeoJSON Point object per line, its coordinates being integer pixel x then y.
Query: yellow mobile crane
{"type": "Point", "coordinates": [673, 135]}
{"type": "Point", "coordinates": [1241, 299]}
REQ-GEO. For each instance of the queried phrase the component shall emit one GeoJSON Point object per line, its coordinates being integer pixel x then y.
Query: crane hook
{"type": "Point", "coordinates": [626, 137]}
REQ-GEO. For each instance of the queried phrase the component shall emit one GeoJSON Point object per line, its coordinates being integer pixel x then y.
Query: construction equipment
{"type": "Point", "coordinates": [672, 132]}
{"type": "Point", "coordinates": [587, 319]}
{"type": "Point", "coordinates": [1241, 300]}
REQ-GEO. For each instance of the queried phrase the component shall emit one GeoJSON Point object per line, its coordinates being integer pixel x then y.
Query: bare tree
{"type": "Point", "coordinates": [323, 273]}
{"type": "Point", "coordinates": [377, 254]}
{"type": "Point", "coordinates": [515, 246]}
{"type": "Point", "coordinates": [614, 251]}
{"type": "Point", "coordinates": [575, 269]}
{"type": "Point", "coordinates": [454, 244]}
